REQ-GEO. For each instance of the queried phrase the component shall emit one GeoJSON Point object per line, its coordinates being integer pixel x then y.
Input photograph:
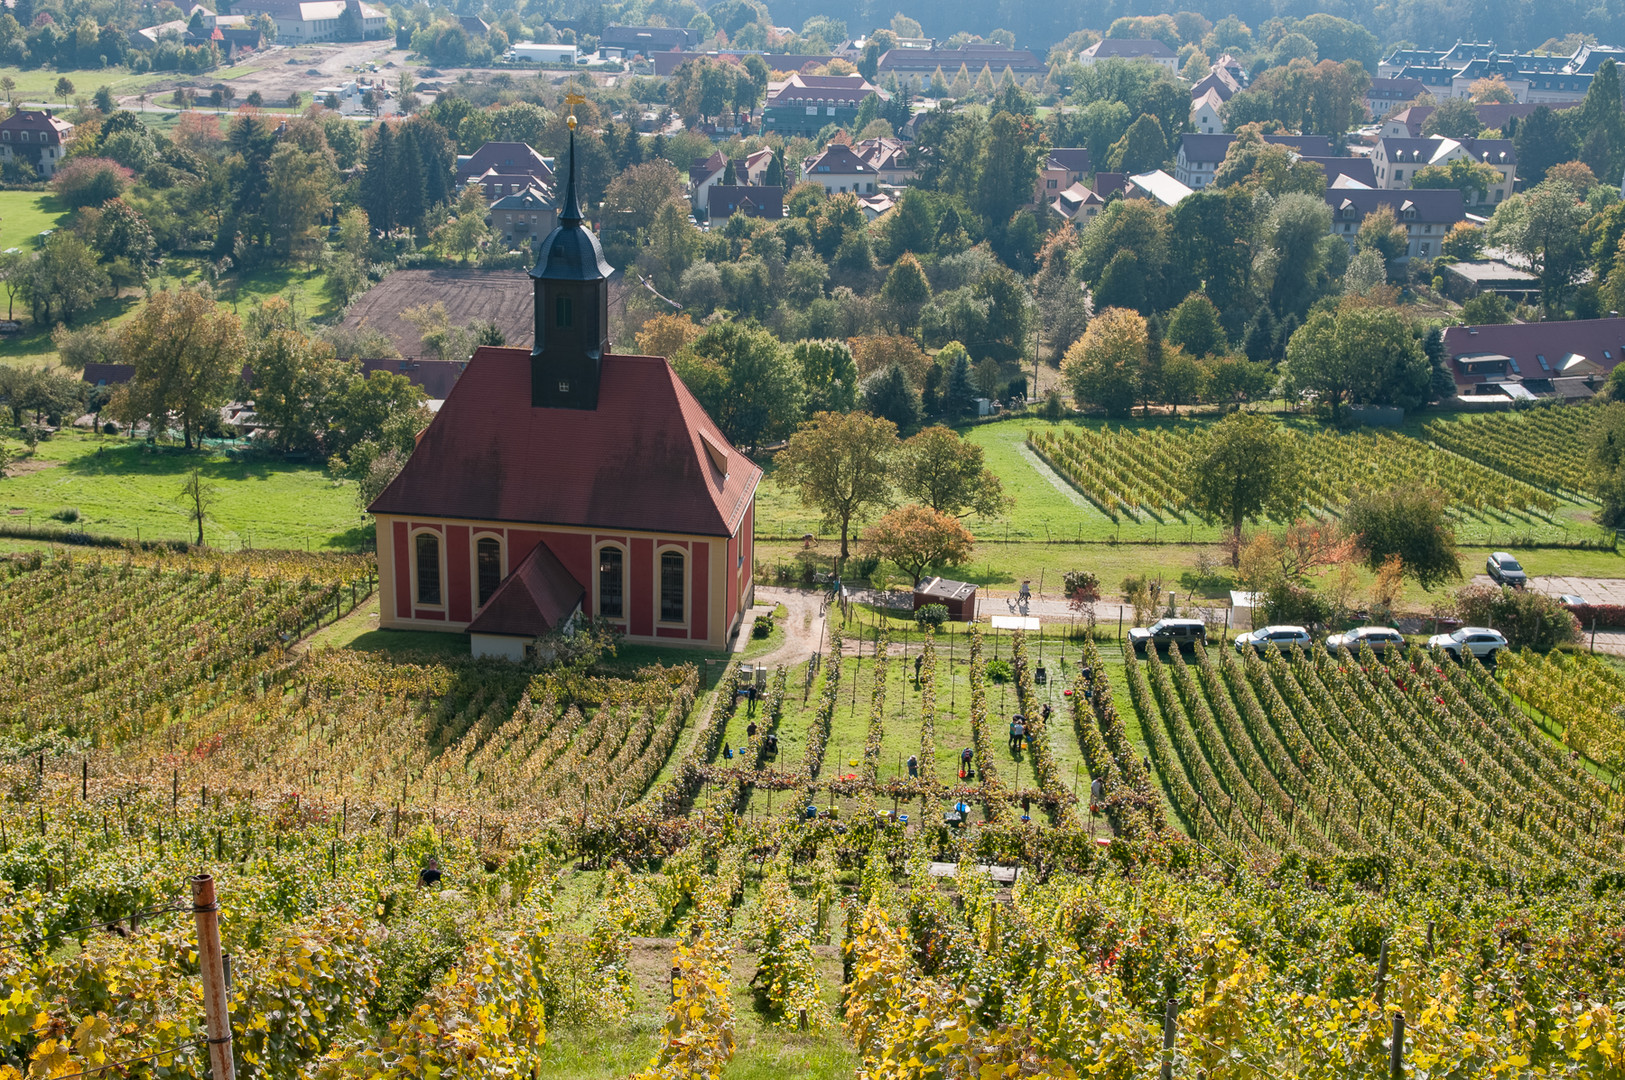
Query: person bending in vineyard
{"type": "Point", "coordinates": [965, 770]}
{"type": "Point", "coordinates": [1018, 729]}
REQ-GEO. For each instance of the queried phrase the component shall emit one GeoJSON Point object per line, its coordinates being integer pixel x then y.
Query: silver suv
{"type": "Point", "coordinates": [1280, 638]}
{"type": "Point", "coordinates": [1481, 641]}
{"type": "Point", "coordinates": [1504, 569]}
{"type": "Point", "coordinates": [1379, 639]}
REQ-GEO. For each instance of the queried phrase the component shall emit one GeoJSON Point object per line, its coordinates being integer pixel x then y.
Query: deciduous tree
{"type": "Point", "coordinates": [1247, 467]}
{"type": "Point", "coordinates": [917, 539]}
{"type": "Point", "coordinates": [840, 465]}
{"type": "Point", "coordinates": [1411, 523]}
{"type": "Point", "coordinates": [939, 469]}
{"type": "Point", "coordinates": [186, 351]}
{"type": "Point", "coordinates": [746, 380]}
{"type": "Point", "coordinates": [1102, 367]}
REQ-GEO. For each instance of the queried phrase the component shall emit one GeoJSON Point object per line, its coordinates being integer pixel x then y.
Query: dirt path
{"type": "Point", "coordinates": [803, 626]}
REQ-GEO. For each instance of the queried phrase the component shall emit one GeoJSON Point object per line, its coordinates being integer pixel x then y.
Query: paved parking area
{"type": "Point", "coordinates": [1591, 590]}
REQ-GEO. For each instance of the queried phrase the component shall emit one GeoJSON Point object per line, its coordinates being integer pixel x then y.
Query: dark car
{"type": "Point", "coordinates": [1504, 569]}
{"type": "Point", "coordinates": [1184, 633]}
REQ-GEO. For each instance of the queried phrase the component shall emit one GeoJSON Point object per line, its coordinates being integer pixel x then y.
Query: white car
{"type": "Point", "coordinates": [1379, 639]}
{"type": "Point", "coordinates": [1481, 641]}
{"type": "Point", "coordinates": [1281, 638]}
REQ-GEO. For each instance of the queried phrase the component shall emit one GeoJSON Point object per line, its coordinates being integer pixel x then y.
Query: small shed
{"type": "Point", "coordinates": [959, 597]}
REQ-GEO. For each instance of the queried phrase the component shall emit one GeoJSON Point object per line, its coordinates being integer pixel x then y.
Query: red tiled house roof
{"type": "Point", "coordinates": [646, 458]}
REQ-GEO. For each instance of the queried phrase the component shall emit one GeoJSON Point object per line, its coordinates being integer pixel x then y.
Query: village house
{"type": "Point", "coordinates": [838, 170]}
{"type": "Point", "coordinates": [1397, 161]}
{"type": "Point", "coordinates": [1522, 362]}
{"type": "Point", "coordinates": [509, 163]}
{"type": "Point", "coordinates": [1200, 154]}
{"type": "Point", "coordinates": [524, 217]}
{"type": "Point", "coordinates": [301, 21]}
{"type": "Point", "coordinates": [806, 104]}
{"type": "Point", "coordinates": [1063, 167]}
{"type": "Point", "coordinates": [763, 201]}
{"type": "Point", "coordinates": [889, 158]}
{"type": "Point", "coordinates": [37, 137]}
{"type": "Point", "coordinates": [1426, 216]}
{"type": "Point", "coordinates": [569, 481]}
{"type": "Point", "coordinates": [1147, 49]}
{"type": "Point", "coordinates": [1078, 204]}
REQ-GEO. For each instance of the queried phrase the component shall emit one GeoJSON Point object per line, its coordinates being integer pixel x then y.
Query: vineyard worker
{"type": "Point", "coordinates": [1097, 793]}
{"type": "Point", "coordinates": [727, 752]}
{"type": "Point", "coordinates": [965, 771]}
{"type": "Point", "coordinates": [750, 730]}
{"type": "Point", "coordinates": [1018, 728]}
{"type": "Point", "coordinates": [919, 662]}
{"type": "Point", "coordinates": [913, 766]}
{"type": "Point", "coordinates": [1047, 711]}
{"type": "Point", "coordinates": [430, 874]}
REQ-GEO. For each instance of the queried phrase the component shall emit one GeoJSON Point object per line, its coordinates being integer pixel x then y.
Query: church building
{"type": "Point", "coordinates": [569, 479]}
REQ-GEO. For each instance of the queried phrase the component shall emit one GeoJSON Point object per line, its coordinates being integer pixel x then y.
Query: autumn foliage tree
{"type": "Point", "coordinates": [918, 538]}
{"type": "Point", "coordinates": [186, 350]}
{"type": "Point", "coordinates": [945, 472]}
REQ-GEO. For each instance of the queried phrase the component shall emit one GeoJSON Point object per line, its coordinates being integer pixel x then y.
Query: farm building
{"type": "Point", "coordinates": [959, 597]}
{"type": "Point", "coordinates": [568, 479]}
{"type": "Point", "coordinates": [1500, 365]}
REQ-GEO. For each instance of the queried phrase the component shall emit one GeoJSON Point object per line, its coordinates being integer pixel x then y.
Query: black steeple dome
{"type": "Point", "coordinates": [571, 289]}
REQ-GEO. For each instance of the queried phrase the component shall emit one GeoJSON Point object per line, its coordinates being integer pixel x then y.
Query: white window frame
{"type": "Point", "coordinates": [474, 561]}
{"type": "Point", "coordinates": [688, 584]}
{"type": "Point", "coordinates": [412, 555]}
{"type": "Point", "coordinates": [626, 581]}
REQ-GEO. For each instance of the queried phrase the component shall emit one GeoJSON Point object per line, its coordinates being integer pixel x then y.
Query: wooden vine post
{"type": "Point", "coordinates": [211, 962]}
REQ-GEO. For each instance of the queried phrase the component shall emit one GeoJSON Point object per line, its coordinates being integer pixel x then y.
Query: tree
{"type": "Point", "coordinates": [103, 99]}
{"type": "Point", "coordinates": [745, 380]}
{"type": "Point", "coordinates": [1411, 523]}
{"type": "Point", "coordinates": [198, 496]}
{"type": "Point", "coordinates": [940, 470]}
{"type": "Point", "coordinates": [62, 281]}
{"type": "Point", "coordinates": [1143, 147]}
{"type": "Point", "coordinates": [466, 232]}
{"type": "Point", "coordinates": [1101, 368]}
{"type": "Point", "coordinates": [90, 181]}
{"type": "Point", "coordinates": [1381, 232]}
{"type": "Point", "coordinates": [958, 394]}
{"type": "Point", "coordinates": [186, 351]}
{"type": "Point", "coordinates": [1195, 326]}
{"type": "Point", "coordinates": [1543, 225]}
{"type": "Point", "coordinates": [295, 381]}
{"type": "Point", "coordinates": [1255, 163]}
{"type": "Point", "coordinates": [298, 190]}
{"type": "Point", "coordinates": [667, 335]}
{"type": "Point", "coordinates": [1486, 309]}
{"type": "Point", "coordinates": [1464, 174]}
{"type": "Point", "coordinates": [1542, 140]}
{"type": "Point", "coordinates": [1007, 168]}
{"type": "Point", "coordinates": [917, 539]}
{"type": "Point", "coordinates": [64, 88]}
{"type": "Point", "coordinates": [890, 393]}
{"type": "Point", "coordinates": [1600, 124]}
{"type": "Point", "coordinates": [1464, 241]}
{"type": "Point", "coordinates": [1247, 467]}
{"type": "Point", "coordinates": [1360, 354]}
{"type": "Point", "coordinates": [829, 374]}
{"type": "Point", "coordinates": [906, 291]}
{"type": "Point", "coordinates": [840, 465]}
{"type": "Point", "coordinates": [1184, 379]}
{"type": "Point", "coordinates": [1453, 118]}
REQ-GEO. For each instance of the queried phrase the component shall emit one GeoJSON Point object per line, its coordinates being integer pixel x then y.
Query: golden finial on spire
{"type": "Point", "coordinates": [572, 100]}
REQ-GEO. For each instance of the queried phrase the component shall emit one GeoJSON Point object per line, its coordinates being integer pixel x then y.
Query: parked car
{"type": "Point", "coordinates": [1281, 638]}
{"type": "Point", "coordinates": [1379, 639]}
{"type": "Point", "coordinates": [1504, 569]}
{"type": "Point", "coordinates": [1184, 633]}
{"type": "Point", "coordinates": [1481, 641]}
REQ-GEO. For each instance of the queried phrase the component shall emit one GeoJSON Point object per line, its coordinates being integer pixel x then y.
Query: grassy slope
{"type": "Point", "coordinates": [123, 488]}
{"type": "Point", "coordinates": [37, 85]}
{"type": "Point", "coordinates": [25, 214]}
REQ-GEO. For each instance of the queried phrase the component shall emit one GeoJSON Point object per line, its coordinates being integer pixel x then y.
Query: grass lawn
{"type": "Point", "coordinates": [122, 487]}
{"type": "Point", "coordinates": [305, 289]}
{"type": "Point", "coordinates": [38, 85]}
{"type": "Point", "coordinates": [25, 214]}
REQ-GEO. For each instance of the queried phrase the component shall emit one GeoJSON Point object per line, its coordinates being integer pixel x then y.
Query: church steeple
{"type": "Point", "coordinates": [571, 289]}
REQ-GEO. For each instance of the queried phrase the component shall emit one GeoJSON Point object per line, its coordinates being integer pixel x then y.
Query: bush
{"type": "Point", "coordinates": [1081, 585]}
{"type": "Point", "coordinates": [90, 181]}
{"type": "Point", "coordinates": [1054, 407]}
{"type": "Point", "coordinates": [1000, 671]}
{"type": "Point", "coordinates": [1527, 618]}
{"type": "Point", "coordinates": [862, 567]}
{"type": "Point", "coordinates": [932, 615]}
{"type": "Point", "coordinates": [68, 514]}
{"type": "Point", "coordinates": [762, 626]}
{"type": "Point", "coordinates": [1294, 605]}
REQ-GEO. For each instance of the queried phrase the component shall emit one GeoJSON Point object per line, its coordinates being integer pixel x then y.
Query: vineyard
{"type": "Point", "coordinates": [1135, 474]}
{"type": "Point", "coordinates": [1545, 447]}
{"type": "Point", "coordinates": [434, 867]}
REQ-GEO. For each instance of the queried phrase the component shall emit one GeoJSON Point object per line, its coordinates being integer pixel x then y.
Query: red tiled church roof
{"type": "Point", "coordinates": [534, 599]}
{"type": "Point", "coordinates": [638, 461]}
